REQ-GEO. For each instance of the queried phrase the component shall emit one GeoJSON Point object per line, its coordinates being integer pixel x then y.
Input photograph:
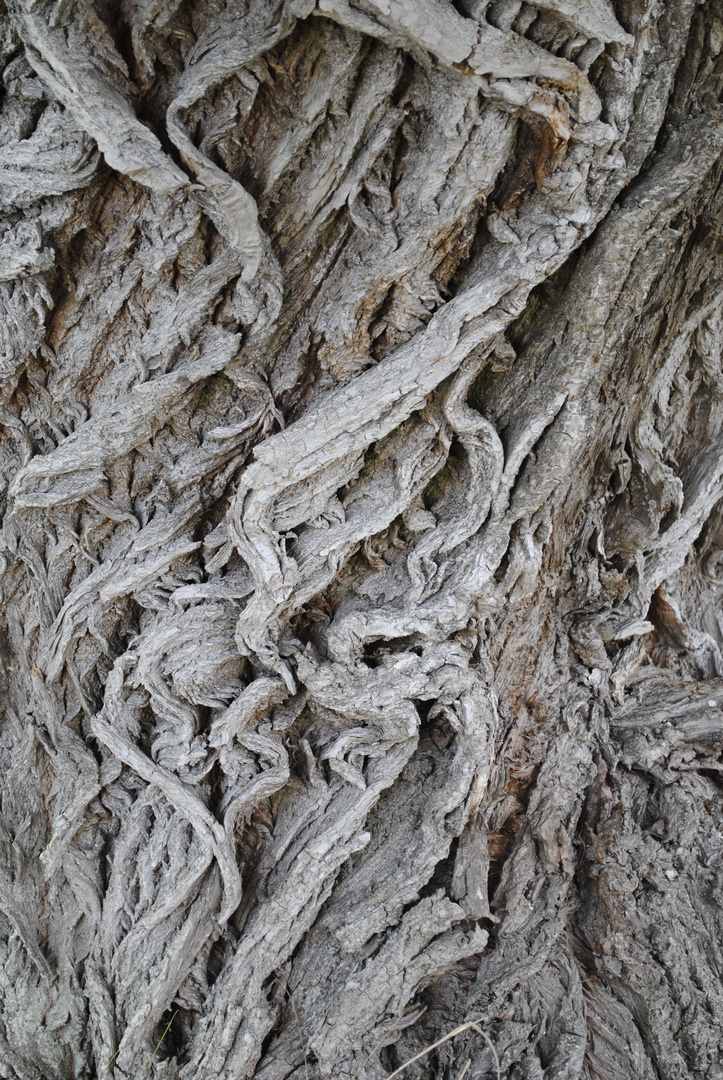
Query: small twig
{"type": "Point", "coordinates": [365, 1063]}
{"type": "Point", "coordinates": [581, 982]}
{"type": "Point", "coordinates": [450, 1035]}
{"type": "Point", "coordinates": [160, 1041]}
{"type": "Point", "coordinates": [489, 1042]}
{"type": "Point", "coordinates": [105, 1070]}
{"type": "Point", "coordinates": [464, 1070]}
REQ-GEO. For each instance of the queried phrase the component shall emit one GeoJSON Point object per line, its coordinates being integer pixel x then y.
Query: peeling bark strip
{"type": "Point", "coordinates": [362, 496]}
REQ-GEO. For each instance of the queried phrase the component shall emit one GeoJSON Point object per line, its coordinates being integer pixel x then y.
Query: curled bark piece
{"type": "Point", "coordinates": [65, 52]}
{"type": "Point", "coordinates": [480, 49]}
{"type": "Point", "coordinates": [77, 467]}
{"type": "Point", "coordinates": [187, 804]}
{"type": "Point", "coordinates": [594, 17]}
{"type": "Point", "coordinates": [224, 49]}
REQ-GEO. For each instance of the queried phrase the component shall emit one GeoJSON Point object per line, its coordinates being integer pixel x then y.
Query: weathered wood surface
{"type": "Point", "coordinates": [362, 494]}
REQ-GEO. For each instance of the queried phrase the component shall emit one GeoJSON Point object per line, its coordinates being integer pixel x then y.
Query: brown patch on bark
{"type": "Point", "coordinates": [541, 150]}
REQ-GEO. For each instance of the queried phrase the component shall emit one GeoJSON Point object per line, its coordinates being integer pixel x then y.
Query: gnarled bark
{"type": "Point", "coordinates": [362, 493]}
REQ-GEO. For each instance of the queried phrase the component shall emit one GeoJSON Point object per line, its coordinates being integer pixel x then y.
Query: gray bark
{"type": "Point", "coordinates": [362, 494]}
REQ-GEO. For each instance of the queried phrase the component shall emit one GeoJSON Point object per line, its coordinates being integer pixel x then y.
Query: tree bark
{"type": "Point", "coordinates": [362, 494]}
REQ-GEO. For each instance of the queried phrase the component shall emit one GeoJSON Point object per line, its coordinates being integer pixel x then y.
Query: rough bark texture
{"type": "Point", "coordinates": [362, 490]}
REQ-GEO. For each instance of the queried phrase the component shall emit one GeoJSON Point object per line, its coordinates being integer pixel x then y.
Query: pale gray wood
{"type": "Point", "coordinates": [362, 493]}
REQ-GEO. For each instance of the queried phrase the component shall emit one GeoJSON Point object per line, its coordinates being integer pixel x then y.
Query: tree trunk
{"type": "Point", "coordinates": [362, 493]}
